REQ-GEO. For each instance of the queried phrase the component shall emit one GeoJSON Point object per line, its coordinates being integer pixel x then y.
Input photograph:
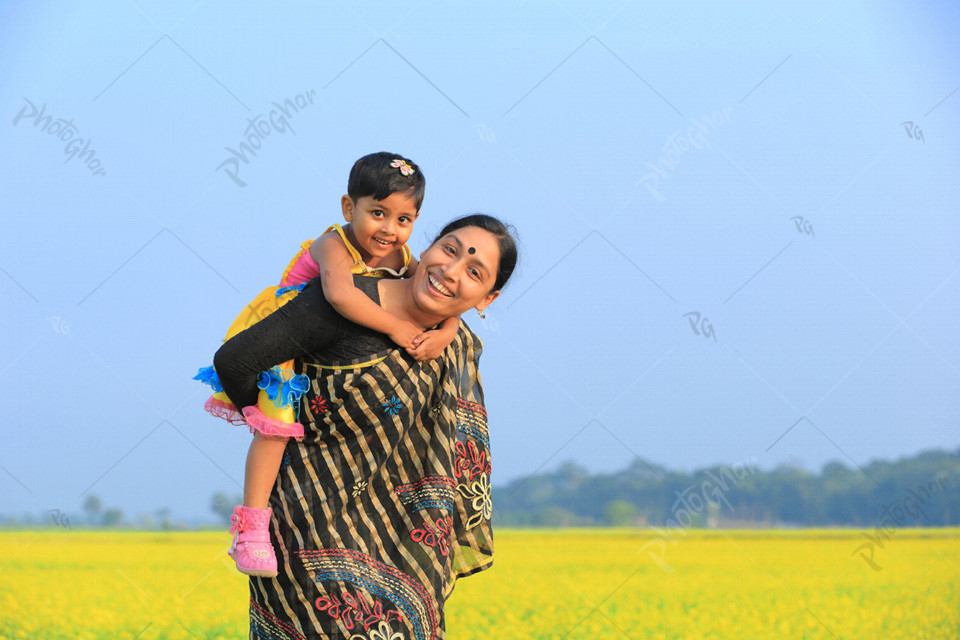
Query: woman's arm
{"type": "Point", "coordinates": [298, 329]}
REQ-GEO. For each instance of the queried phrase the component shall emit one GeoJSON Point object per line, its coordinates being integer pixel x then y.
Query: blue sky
{"type": "Point", "coordinates": [732, 244]}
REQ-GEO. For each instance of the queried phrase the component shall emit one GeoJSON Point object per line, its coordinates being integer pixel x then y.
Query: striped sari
{"type": "Point", "coordinates": [383, 504]}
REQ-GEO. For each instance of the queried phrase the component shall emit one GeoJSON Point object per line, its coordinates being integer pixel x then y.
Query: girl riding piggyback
{"type": "Point", "coordinates": [384, 194]}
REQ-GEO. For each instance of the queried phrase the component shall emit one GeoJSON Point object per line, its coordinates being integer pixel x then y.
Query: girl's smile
{"type": "Point", "coordinates": [378, 227]}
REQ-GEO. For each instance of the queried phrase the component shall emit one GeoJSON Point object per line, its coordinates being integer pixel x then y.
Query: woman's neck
{"type": "Point", "coordinates": [396, 296]}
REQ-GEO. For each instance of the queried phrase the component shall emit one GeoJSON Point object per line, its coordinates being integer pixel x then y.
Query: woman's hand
{"type": "Point", "coordinates": [405, 334]}
{"type": "Point", "coordinates": [430, 345]}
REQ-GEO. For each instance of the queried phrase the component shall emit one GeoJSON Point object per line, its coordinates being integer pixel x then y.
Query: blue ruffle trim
{"type": "Point", "coordinates": [207, 375]}
{"type": "Point", "coordinates": [296, 287]}
{"type": "Point", "coordinates": [284, 391]}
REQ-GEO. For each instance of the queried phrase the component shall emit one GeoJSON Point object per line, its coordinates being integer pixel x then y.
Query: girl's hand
{"type": "Point", "coordinates": [430, 345]}
{"type": "Point", "coordinates": [405, 334]}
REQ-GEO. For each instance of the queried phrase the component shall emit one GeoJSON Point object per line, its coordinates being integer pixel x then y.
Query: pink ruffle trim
{"type": "Point", "coordinates": [268, 426]}
{"type": "Point", "coordinates": [225, 410]}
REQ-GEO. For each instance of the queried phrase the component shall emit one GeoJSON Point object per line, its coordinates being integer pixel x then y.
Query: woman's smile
{"type": "Point", "coordinates": [437, 287]}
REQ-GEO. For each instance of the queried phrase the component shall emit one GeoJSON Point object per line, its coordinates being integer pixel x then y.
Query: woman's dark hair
{"type": "Point", "coordinates": [505, 238]}
{"type": "Point", "coordinates": [373, 176]}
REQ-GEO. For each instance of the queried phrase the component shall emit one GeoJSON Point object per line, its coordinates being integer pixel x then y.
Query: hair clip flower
{"type": "Point", "coordinates": [405, 169]}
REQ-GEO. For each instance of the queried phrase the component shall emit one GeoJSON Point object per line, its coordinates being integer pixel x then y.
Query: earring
{"type": "Point", "coordinates": [482, 315]}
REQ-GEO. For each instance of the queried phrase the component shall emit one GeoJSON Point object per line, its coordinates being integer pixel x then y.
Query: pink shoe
{"type": "Point", "coordinates": [251, 548]}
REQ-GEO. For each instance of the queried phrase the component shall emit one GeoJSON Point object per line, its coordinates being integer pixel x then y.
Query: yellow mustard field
{"type": "Point", "coordinates": [595, 584]}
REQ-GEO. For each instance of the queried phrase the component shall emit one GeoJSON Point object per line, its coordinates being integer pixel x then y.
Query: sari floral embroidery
{"type": "Point", "coordinates": [410, 596]}
{"type": "Point", "coordinates": [355, 609]}
{"type": "Point", "coordinates": [472, 466]}
{"type": "Point", "coordinates": [436, 534]}
{"type": "Point", "coordinates": [470, 459]}
{"type": "Point", "coordinates": [392, 406]}
{"type": "Point", "coordinates": [319, 404]}
{"type": "Point", "coordinates": [358, 488]}
{"type": "Point", "coordinates": [478, 492]}
{"type": "Point", "coordinates": [382, 632]}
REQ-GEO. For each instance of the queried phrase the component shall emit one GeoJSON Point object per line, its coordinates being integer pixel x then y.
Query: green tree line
{"type": "Point", "coordinates": [922, 490]}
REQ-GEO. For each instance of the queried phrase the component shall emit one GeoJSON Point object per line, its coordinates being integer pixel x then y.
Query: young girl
{"type": "Point", "coordinates": [384, 194]}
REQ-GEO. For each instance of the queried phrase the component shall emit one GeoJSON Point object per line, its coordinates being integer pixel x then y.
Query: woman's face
{"type": "Point", "coordinates": [457, 272]}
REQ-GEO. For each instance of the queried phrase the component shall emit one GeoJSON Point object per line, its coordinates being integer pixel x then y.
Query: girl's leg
{"type": "Point", "coordinates": [250, 523]}
{"type": "Point", "coordinates": [263, 465]}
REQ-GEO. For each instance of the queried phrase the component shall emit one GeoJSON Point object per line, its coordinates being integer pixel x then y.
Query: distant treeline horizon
{"type": "Point", "coordinates": [914, 491]}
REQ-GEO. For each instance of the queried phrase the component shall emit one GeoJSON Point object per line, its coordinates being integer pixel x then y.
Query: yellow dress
{"type": "Point", "coordinates": [278, 403]}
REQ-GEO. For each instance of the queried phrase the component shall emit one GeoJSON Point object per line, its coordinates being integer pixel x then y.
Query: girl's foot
{"type": "Point", "coordinates": [251, 548]}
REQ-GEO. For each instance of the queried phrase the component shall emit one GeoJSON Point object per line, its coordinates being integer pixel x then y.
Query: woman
{"type": "Point", "coordinates": [386, 500]}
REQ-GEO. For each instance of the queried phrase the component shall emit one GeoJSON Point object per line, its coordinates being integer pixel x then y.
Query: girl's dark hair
{"type": "Point", "coordinates": [505, 235]}
{"type": "Point", "coordinates": [373, 176]}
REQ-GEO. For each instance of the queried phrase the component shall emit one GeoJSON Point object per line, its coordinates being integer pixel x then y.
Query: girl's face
{"type": "Point", "coordinates": [457, 272]}
{"type": "Point", "coordinates": [379, 227]}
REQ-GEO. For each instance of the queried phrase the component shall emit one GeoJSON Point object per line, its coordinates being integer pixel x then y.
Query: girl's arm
{"type": "Point", "coordinates": [298, 329]}
{"type": "Point", "coordinates": [433, 343]}
{"type": "Point", "coordinates": [335, 262]}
